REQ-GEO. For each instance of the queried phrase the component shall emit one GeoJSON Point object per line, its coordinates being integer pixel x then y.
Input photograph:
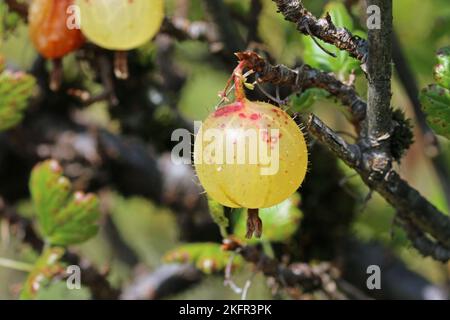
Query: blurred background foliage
{"type": "Point", "coordinates": [422, 27]}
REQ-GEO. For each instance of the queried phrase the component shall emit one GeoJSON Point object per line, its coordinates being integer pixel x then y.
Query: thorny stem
{"type": "Point", "coordinates": [395, 190]}
{"type": "Point", "coordinates": [379, 71]}
{"type": "Point", "coordinates": [228, 31]}
{"type": "Point", "coordinates": [323, 28]}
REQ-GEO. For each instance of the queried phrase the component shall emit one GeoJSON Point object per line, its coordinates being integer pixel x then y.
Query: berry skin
{"type": "Point", "coordinates": [243, 185]}
{"type": "Point", "coordinates": [48, 28]}
{"type": "Point", "coordinates": [120, 24]}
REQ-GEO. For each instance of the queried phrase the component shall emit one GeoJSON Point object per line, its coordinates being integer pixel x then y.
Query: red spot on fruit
{"type": "Point", "coordinates": [242, 115]}
{"type": "Point", "coordinates": [227, 110]}
{"type": "Point", "coordinates": [255, 116]}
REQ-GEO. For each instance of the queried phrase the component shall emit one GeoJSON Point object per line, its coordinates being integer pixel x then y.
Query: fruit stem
{"type": "Point", "coordinates": [254, 224]}
{"type": "Point", "coordinates": [121, 65]}
{"type": "Point", "coordinates": [56, 74]}
{"type": "Point", "coordinates": [238, 80]}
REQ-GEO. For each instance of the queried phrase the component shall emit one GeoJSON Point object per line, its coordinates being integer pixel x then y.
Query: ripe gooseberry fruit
{"type": "Point", "coordinates": [48, 28]}
{"type": "Point", "coordinates": [50, 34]}
{"type": "Point", "coordinates": [248, 179]}
{"type": "Point", "coordinates": [120, 25]}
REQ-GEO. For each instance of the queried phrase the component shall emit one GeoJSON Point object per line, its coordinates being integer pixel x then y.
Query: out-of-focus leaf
{"type": "Point", "coordinates": [207, 257]}
{"type": "Point", "coordinates": [436, 104]}
{"type": "Point", "coordinates": [218, 215]}
{"type": "Point", "coordinates": [196, 100]}
{"type": "Point", "coordinates": [279, 222]}
{"type": "Point", "coordinates": [442, 69]}
{"type": "Point", "coordinates": [45, 269]}
{"type": "Point", "coordinates": [272, 29]}
{"type": "Point", "coordinates": [8, 21]}
{"type": "Point", "coordinates": [316, 57]}
{"type": "Point", "coordinates": [64, 218]}
{"type": "Point", "coordinates": [15, 90]}
{"type": "Point", "coordinates": [304, 101]}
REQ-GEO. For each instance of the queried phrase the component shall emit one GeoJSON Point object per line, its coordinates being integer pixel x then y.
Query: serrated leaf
{"type": "Point", "coordinates": [280, 222]}
{"type": "Point", "coordinates": [208, 257]}
{"type": "Point", "coordinates": [45, 269]}
{"type": "Point", "coordinates": [316, 57]}
{"type": "Point", "coordinates": [304, 101]}
{"type": "Point", "coordinates": [436, 104]}
{"type": "Point", "coordinates": [64, 218]}
{"type": "Point", "coordinates": [15, 90]}
{"type": "Point", "coordinates": [442, 69]}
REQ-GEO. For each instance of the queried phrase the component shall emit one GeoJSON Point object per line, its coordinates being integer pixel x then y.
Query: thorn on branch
{"type": "Point", "coordinates": [323, 28]}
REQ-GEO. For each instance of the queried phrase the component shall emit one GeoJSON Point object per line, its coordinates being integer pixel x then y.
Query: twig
{"type": "Point", "coordinates": [306, 77]}
{"type": "Point", "coordinates": [120, 247]}
{"type": "Point", "coordinates": [183, 29]}
{"type": "Point", "coordinates": [426, 246]}
{"type": "Point", "coordinates": [228, 32]}
{"type": "Point", "coordinates": [308, 278]}
{"type": "Point", "coordinates": [397, 280]}
{"type": "Point", "coordinates": [432, 147]}
{"type": "Point", "coordinates": [256, 7]}
{"type": "Point", "coordinates": [395, 190]}
{"type": "Point", "coordinates": [323, 29]}
{"type": "Point", "coordinates": [379, 70]}
{"type": "Point", "coordinates": [165, 281]}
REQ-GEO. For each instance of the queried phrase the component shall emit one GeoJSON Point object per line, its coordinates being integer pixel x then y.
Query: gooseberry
{"type": "Point", "coordinates": [48, 28]}
{"type": "Point", "coordinates": [120, 24]}
{"type": "Point", "coordinates": [250, 154]}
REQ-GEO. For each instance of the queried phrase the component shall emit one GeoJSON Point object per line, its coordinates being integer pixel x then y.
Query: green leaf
{"type": "Point", "coordinates": [64, 218]}
{"type": "Point", "coordinates": [218, 216]}
{"type": "Point", "coordinates": [45, 269]}
{"type": "Point", "coordinates": [442, 69]}
{"type": "Point", "coordinates": [316, 57]}
{"type": "Point", "coordinates": [208, 257]}
{"type": "Point", "coordinates": [15, 90]}
{"type": "Point", "coordinates": [304, 101]}
{"type": "Point", "coordinates": [436, 104]}
{"type": "Point", "coordinates": [8, 21]}
{"type": "Point", "coordinates": [280, 222]}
